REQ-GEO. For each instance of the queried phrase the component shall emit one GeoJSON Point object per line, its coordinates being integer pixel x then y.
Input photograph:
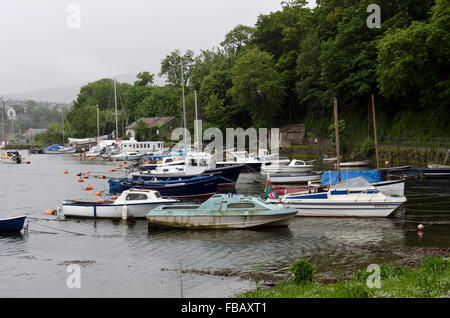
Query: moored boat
{"type": "Point", "coordinates": [352, 198]}
{"type": "Point", "coordinates": [436, 173]}
{"type": "Point", "coordinates": [361, 163]}
{"type": "Point", "coordinates": [11, 157]}
{"type": "Point", "coordinates": [12, 223]}
{"type": "Point", "coordinates": [131, 203]}
{"type": "Point", "coordinates": [222, 211]}
{"type": "Point", "coordinates": [59, 149]}
{"type": "Point", "coordinates": [198, 187]}
{"type": "Point", "coordinates": [295, 166]}
{"type": "Point", "coordinates": [242, 157]}
{"type": "Point", "coordinates": [295, 179]}
{"type": "Point", "coordinates": [127, 155]}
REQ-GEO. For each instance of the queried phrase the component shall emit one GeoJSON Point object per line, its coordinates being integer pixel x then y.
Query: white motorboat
{"type": "Point", "coordinates": [241, 157]}
{"type": "Point", "coordinates": [352, 198]}
{"type": "Point", "coordinates": [125, 155]}
{"type": "Point", "coordinates": [295, 166]}
{"type": "Point", "coordinates": [271, 159]}
{"type": "Point", "coordinates": [131, 203]}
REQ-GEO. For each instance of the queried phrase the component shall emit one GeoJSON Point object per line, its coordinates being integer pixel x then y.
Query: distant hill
{"type": "Point", "coordinates": [67, 94]}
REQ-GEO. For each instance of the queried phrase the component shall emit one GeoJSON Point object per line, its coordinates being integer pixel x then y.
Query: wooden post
{"type": "Point", "coordinates": [375, 132]}
{"type": "Point", "coordinates": [336, 126]}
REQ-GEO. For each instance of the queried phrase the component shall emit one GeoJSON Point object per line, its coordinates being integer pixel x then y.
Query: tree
{"type": "Point", "coordinates": [145, 133]}
{"type": "Point", "coordinates": [144, 79]}
{"type": "Point", "coordinates": [170, 67]}
{"type": "Point", "coordinates": [240, 36]}
{"type": "Point", "coordinates": [257, 86]}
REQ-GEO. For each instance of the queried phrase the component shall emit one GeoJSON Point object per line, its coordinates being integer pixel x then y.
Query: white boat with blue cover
{"type": "Point", "coordinates": [131, 203]}
{"type": "Point", "coordinates": [222, 211]}
{"type": "Point", "coordinates": [352, 198]}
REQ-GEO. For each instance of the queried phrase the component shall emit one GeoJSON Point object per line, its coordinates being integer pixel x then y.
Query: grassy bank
{"type": "Point", "coordinates": [430, 279]}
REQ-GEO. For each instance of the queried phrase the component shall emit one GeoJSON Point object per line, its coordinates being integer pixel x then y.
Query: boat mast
{"type": "Point", "coordinates": [375, 132]}
{"type": "Point", "coordinates": [62, 123]}
{"type": "Point", "coordinates": [115, 107]}
{"type": "Point", "coordinates": [196, 133]}
{"type": "Point", "coordinates": [98, 123]}
{"type": "Point", "coordinates": [5, 126]}
{"type": "Point", "coordinates": [184, 105]}
{"type": "Point", "coordinates": [336, 126]}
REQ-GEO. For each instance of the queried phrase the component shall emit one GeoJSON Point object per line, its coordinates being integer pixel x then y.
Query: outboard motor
{"type": "Point", "coordinates": [17, 158]}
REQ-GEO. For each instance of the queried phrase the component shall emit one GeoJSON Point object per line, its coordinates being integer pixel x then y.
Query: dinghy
{"type": "Point", "coordinates": [11, 157]}
{"type": "Point", "coordinates": [12, 223]}
{"type": "Point", "coordinates": [131, 203]}
{"type": "Point", "coordinates": [222, 211]}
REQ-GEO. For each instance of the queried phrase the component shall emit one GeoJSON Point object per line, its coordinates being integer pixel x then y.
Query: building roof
{"type": "Point", "coordinates": [33, 131]}
{"type": "Point", "coordinates": [152, 121]}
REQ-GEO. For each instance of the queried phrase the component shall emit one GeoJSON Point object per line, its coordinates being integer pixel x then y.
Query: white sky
{"type": "Point", "coordinates": [38, 50]}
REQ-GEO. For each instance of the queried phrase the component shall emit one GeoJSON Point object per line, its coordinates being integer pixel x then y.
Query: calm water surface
{"type": "Point", "coordinates": [126, 260]}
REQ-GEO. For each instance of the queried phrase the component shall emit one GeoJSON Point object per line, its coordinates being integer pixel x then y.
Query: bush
{"type": "Point", "coordinates": [367, 148]}
{"type": "Point", "coordinates": [303, 271]}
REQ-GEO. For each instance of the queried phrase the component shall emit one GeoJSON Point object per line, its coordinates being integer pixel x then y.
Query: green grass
{"type": "Point", "coordinates": [431, 279]}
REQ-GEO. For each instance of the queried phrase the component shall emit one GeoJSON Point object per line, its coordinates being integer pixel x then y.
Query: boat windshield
{"type": "Point", "coordinates": [157, 195]}
{"type": "Point", "coordinates": [358, 182]}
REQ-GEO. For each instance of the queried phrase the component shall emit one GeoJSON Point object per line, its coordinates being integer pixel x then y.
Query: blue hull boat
{"type": "Point", "coordinates": [12, 224]}
{"type": "Point", "coordinates": [227, 176]}
{"type": "Point", "coordinates": [198, 187]}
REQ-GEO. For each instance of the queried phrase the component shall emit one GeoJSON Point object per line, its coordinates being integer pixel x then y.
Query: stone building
{"type": "Point", "coordinates": [293, 135]}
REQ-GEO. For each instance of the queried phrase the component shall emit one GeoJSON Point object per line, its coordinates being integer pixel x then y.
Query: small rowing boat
{"type": "Point", "coordinates": [12, 223]}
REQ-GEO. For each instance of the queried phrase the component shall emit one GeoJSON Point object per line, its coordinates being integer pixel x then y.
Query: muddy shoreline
{"type": "Point", "coordinates": [411, 257]}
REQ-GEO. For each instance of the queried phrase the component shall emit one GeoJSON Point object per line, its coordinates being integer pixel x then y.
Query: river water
{"type": "Point", "coordinates": [126, 260]}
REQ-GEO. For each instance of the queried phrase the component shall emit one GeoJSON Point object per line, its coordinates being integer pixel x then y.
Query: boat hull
{"type": "Point", "coordinates": [182, 189]}
{"type": "Point", "coordinates": [12, 224]}
{"type": "Point", "coordinates": [281, 179]}
{"type": "Point", "coordinates": [437, 173]}
{"type": "Point", "coordinates": [110, 211]}
{"type": "Point", "coordinates": [222, 222]}
{"type": "Point", "coordinates": [247, 167]}
{"type": "Point", "coordinates": [338, 209]}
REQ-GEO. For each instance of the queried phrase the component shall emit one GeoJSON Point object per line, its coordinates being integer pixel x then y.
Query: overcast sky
{"type": "Point", "coordinates": [39, 50]}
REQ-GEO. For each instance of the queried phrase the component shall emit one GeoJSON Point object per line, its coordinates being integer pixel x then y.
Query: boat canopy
{"type": "Point", "coordinates": [358, 182]}
{"type": "Point", "coordinates": [331, 177]}
{"type": "Point", "coordinates": [54, 147]}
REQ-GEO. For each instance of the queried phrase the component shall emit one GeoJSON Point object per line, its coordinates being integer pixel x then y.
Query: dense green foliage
{"type": "Point", "coordinates": [288, 67]}
{"type": "Point", "coordinates": [431, 279]}
{"type": "Point", "coordinates": [303, 272]}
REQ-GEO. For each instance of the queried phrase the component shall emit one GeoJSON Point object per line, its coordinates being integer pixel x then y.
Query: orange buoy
{"type": "Point", "coordinates": [86, 176]}
{"type": "Point", "coordinates": [66, 172]}
{"type": "Point", "coordinates": [125, 162]}
{"type": "Point", "coordinates": [100, 177]}
{"type": "Point", "coordinates": [120, 165]}
{"type": "Point", "coordinates": [27, 162]}
{"type": "Point", "coordinates": [114, 160]}
{"type": "Point", "coordinates": [126, 167]}
{"type": "Point", "coordinates": [101, 200]}
{"type": "Point", "coordinates": [89, 187]}
{"type": "Point", "coordinates": [102, 159]}
{"type": "Point", "coordinates": [420, 227]}
{"type": "Point", "coordinates": [113, 197]}
{"type": "Point", "coordinates": [87, 172]}
{"type": "Point", "coordinates": [98, 194]}
{"type": "Point", "coordinates": [78, 174]}
{"type": "Point", "coordinates": [80, 180]}
{"type": "Point", "coordinates": [118, 168]}
{"type": "Point", "coordinates": [146, 163]}
{"type": "Point", "coordinates": [111, 170]}
{"type": "Point", "coordinates": [49, 212]}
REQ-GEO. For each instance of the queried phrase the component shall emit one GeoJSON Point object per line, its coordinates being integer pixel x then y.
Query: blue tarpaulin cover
{"type": "Point", "coordinates": [53, 147]}
{"type": "Point", "coordinates": [331, 177]}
